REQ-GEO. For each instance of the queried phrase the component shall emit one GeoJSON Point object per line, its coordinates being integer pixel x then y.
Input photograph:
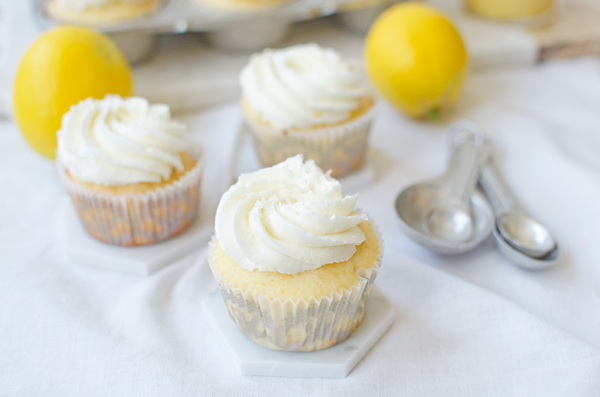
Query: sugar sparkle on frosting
{"type": "Point", "coordinates": [288, 218]}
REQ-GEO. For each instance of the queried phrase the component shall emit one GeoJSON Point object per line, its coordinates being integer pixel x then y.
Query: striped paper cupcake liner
{"type": "Point", "coordinates": [341, 148]}
{"type": "Point", "coordinates": [138, 219]}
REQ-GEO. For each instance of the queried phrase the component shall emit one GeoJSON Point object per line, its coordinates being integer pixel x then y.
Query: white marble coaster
{"type": "Point", "coordinates": [245, 160]}
{"type": "Point", "coordinates": [334, 362]}
{"type": "Point", "coordinates": [83, 249]}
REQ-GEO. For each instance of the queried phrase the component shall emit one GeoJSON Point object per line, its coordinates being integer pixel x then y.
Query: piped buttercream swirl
{"type": "Point", "coordinates": [302, 86]}
{"type": "Point", "coordinates": [288, 218]}
{"type": "Point", "coordinates": [117, 141]}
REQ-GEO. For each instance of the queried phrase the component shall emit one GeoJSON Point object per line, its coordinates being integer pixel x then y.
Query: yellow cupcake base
{"type": "Point", "coordinates": [287, 312]}
{"type": "Point", "coordinates": [189, 162]}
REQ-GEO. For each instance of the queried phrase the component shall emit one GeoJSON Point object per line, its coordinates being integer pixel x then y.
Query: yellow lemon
{"type": "Point", "coordinates": [416, 59]}
{"type": "Point", "coordinates": [61, 68]}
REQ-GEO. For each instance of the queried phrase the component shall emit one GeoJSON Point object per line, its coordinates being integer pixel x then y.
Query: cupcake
{"type": "Point", "coordinates": [293, 258]}
{"type": "Point", "coordinates": [99, 12]}
{"type": "Point", "coordinates": [132, 178]}
{"type": "Point", "coordinates": [242, 5]}
{"type": "Point", "coordinates": [307, 100]}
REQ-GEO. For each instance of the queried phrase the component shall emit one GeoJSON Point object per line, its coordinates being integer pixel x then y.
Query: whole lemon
{"type": "Point", "coordinates": [61, 68]}
{"type": "Point", "coordinates": [416, 59]}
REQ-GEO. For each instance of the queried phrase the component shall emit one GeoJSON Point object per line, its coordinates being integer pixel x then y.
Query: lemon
{"type": "Point", "coordinates": [61, 68]}
{"type": "Point", "coordinates": [416, 59]}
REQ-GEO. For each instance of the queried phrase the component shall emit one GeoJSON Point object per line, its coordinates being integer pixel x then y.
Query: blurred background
{"type": "Point", "coordinates": [191, 60]}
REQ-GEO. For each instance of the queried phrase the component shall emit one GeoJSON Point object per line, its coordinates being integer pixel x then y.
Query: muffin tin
{"type": "Point", "coordinates": [226, 29]}
{"type": "Point", "coordinates": [358, 20]}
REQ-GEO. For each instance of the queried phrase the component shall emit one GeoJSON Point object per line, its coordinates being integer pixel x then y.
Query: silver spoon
{"type": "Point", "coordinates": [525, 234]}
{"type": "Point", "coordinates": [451, 220]}
{"type": "Point", "coordinates": [416, 205]}
{"type": "Point", "coordinates": [522, 239]}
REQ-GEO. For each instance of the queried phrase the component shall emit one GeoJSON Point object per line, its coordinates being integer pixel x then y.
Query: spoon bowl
{"type": "Point", "coordinates": [449, 224]}
{"type": "Point", "coordinates": [413, 206]}
{"type": "Point", "coordinates": [525, 234]}
{"type": "Point", "coordinates": [446, 214]}
{"type": "Point", "coordinates": [522, 260]}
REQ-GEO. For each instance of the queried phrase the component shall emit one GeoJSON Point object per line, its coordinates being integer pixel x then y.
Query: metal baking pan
{"type": "Point", "coordinates": [179, 16]}
{"type": "Point", "coordinates": [225, 29]}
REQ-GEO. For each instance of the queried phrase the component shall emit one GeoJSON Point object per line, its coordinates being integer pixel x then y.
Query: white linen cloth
{"type": "Point", "coordinates": [471, 325]}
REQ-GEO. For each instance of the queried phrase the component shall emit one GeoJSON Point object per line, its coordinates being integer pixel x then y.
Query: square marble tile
{"type": "Point", "coordinates": [334, 362]}
{"type": "Point", "coordinates": [84, 250]}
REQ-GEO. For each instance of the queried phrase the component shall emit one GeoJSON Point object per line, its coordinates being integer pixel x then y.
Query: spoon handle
{"type": "Point", "coordinates": [496, 190]}
{"type": "Point", "coordinates": [463, 171]}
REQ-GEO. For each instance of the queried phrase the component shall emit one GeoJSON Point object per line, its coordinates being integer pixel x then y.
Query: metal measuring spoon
{"type": "Point", "coordinates": [445, 214]}
{"type": "Point", "coordinates": [451, 220]}
{"type": "Point", "coordinates": [525, 234]}
{"type": "Point", "coordinates": [520, 238]}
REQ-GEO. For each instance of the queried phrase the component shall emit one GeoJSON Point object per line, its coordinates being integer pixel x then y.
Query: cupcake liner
{"type": "Point", "coordinates": [297, 326]}
{"type": "Point", "coordinates": [341, 148]}
{"type": "Point", "coordinates": [138, 219]}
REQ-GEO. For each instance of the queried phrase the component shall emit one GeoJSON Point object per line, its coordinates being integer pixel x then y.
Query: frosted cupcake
{"type": "Point", "coordinates": [307, 100]}
{"type": "Point", "coordinates": [132, 178]}
{"type": "Point", "coordinates": [242, 5]}
{"type": "Point", "coordinates": [98, 12]}
{"type": "Point", "coordinates": [294, 259]}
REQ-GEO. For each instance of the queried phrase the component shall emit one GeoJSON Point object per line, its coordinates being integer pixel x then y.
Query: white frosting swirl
{"type": "Point", "coordinates": [82, 5]}
{"type": "Point", "coordinates": [288, 218]}
{"type": "Point", "coordinates": [302, 86]}
{"type": "Point", "coordinates": [116, 141]}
